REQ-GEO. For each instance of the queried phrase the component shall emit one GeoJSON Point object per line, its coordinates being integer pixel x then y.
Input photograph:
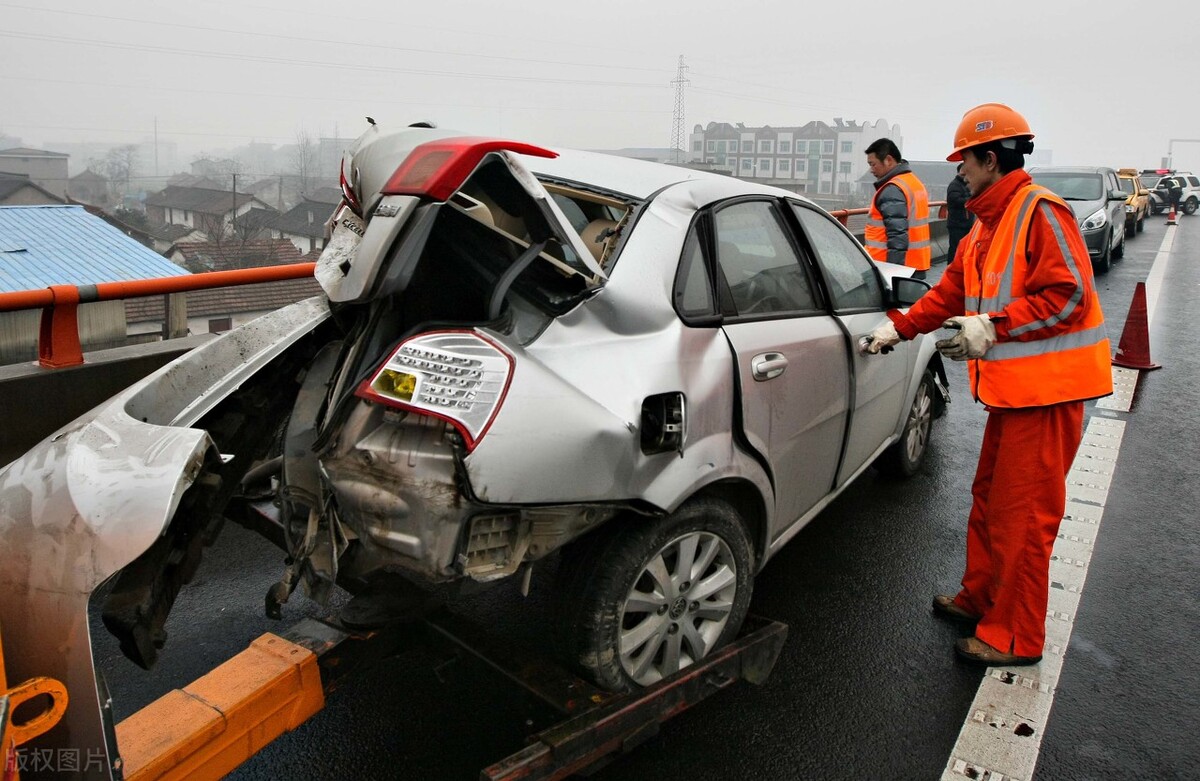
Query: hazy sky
{"type": "Point", "coordinates": [215, 74]}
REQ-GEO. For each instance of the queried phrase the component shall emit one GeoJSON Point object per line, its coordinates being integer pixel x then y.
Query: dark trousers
{"type": "Point", "coordinates": [956, 235]}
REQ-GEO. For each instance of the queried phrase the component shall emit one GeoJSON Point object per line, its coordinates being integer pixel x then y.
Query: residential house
{"type": "Point", "coordinates": [227, 255]}
{"type": "Point", "coordinates": [191, 180]}
{"type": "Point", "coordinates": [819, 159]}
{"type": "Point", "coordinates": [304, 223]}
{"type": "Point", "coordinates": [255, 224]}
{"type": "Point", "coordinates": [46, 169]}
{"type": "Point", "coordinates": [217, 169]}
{"type": "Point", "coordinates": [91, 188]}
{"type": "Point", "coordinates": [221, 309]}
{"type": "Point", "coordinates": [42, 246]}
{"type": "Point", "coordinates": [213, 212]}
{"type": "Point", "coordinates": [164, 236]}
{"type": "Point", "coordinates": [20, 190]}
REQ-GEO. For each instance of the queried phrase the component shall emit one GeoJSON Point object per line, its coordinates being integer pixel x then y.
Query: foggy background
{"type": "Point", "coordinates": [199, 78]}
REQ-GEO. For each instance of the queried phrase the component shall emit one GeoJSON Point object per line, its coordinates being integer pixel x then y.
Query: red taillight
{"type": "Point", "coordinates": [348, 192]}
{"type": "Point", "coordinates": [438, 168]}
{"type": "Point", "coordinates": [458, 376]}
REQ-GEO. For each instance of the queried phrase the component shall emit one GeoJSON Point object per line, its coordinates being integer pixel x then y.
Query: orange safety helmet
{"type": "Point", "coordinates": [989, 122]}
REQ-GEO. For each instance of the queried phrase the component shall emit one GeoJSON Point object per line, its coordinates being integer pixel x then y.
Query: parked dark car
{"type": "Point", "coordinates": [1096, 197]}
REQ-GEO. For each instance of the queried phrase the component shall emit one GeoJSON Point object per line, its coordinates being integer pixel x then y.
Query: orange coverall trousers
{"type": "Point", "coordinates": [1019, 496]}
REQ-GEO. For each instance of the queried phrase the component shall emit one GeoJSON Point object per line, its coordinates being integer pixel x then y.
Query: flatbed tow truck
{"type": "Point", "coordinates": [211, 726]}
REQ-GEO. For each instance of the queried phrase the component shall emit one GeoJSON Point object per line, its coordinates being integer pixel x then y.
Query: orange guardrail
{"type": "Point", "coordinates": [58, 335]}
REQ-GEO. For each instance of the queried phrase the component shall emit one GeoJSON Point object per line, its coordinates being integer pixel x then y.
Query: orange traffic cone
{"type": "Point", "coordinates": [1171, 216]}
{"type": "Point", "coordinates": [1134, 350]}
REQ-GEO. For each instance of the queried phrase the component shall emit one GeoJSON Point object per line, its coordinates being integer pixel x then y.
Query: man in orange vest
{"type": "Point", "coordinates": [1022, 297]}
{"type": "Point", "coordinates": [898, 223]}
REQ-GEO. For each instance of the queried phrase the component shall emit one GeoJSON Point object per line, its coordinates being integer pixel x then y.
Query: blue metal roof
{"type": "Point", "coordinates": [64, 245]}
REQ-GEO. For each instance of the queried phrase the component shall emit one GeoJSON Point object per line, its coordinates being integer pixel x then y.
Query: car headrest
{"type": "Point", "coordinates": [596, 235]}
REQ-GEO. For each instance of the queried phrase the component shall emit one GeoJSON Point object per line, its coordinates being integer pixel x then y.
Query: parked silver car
{"type": "Point", "coordinates": [653, 369]}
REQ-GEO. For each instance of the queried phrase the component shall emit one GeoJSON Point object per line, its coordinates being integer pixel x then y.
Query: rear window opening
{"type": "Point", "coordinates": [465, 270]}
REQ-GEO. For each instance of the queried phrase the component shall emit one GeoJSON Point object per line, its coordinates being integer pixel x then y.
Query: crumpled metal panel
{"type": "Point", "coordinates": [568, 430]}
{"type": "Point", "coordinates": [95, 495]}
{"type": "Point", "coordinates": [394, 478]}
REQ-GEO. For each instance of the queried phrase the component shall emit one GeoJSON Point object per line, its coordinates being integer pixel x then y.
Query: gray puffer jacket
{"type": "Point", "coordinates": [892, 206]}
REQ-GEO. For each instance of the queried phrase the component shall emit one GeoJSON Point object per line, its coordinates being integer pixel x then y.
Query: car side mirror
{"type": "Point", "coordinates": [906, 290]}
{"type": "Point", "coordinates": [1117, 195]}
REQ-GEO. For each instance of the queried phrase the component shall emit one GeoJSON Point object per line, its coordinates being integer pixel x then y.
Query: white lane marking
{"type": "Point", "coordinates": [1002, 734]}
{"type": "Point", "coordinates": [1124, 384]}
{"type": "Point", "coordinates": [1157, 272]}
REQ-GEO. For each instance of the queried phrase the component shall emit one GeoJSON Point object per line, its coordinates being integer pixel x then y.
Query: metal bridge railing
{"type": "Point", "coordinates": [58, 334]}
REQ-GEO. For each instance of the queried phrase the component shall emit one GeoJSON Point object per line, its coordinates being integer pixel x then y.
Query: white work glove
{"type": "Point", "coordinates": [975, 337]}
{"type": "Point", "coordinates": [880, 340]}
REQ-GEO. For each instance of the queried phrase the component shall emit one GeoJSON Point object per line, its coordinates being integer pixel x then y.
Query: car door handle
{"type": "Point", "coordinates": [768, 366]}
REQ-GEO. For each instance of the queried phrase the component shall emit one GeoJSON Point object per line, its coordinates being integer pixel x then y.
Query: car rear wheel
{"type": "Point", "coordinates": [1189, 206]}
{"type": "Point", "coordinates": [644, 599]}
{"type": "Point", "coordinates": [904, 457]}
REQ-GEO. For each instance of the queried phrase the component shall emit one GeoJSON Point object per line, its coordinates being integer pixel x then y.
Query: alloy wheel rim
{"type": "Point", "coordinates": [678, 607]}
{"type": "Point", "coordinates": [920, 418]}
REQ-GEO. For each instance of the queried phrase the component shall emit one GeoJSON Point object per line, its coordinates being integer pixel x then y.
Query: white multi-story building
{"type": "Point", "coordinates": [816, 158]}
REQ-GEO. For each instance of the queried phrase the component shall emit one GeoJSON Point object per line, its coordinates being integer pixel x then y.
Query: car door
{"type": "Point", "coordinates": [856, 293]}
{"type": "Point", "coordinates": [791, 356]}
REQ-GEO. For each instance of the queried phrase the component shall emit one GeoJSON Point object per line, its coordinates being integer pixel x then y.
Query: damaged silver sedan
{"type": "Point", "coordinates": [652, 371]}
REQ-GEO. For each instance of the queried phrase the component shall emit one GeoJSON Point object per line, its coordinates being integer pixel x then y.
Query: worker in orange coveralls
{"type": "Point", "coordinates": [1021, 294]}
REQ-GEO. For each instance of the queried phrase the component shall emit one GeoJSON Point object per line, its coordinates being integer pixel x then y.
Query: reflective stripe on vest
{"type": "Point", "coordinates": [1069, 366]}
{"type": "Point", "coordinates": [916, 200]}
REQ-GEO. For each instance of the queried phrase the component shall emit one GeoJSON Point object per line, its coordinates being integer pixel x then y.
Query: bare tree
{"type": "Point", "coordinates": [304, 160]}
{"type": "Point", "coordinates": [119, 166]}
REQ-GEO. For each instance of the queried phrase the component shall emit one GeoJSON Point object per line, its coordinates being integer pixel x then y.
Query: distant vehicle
{"type": "Point", "coordinates": [1137, 205]}
{"type": "Point", "coordinates": [1159, 201]}
{"type": "Point", "coordinates": [1096, 197]}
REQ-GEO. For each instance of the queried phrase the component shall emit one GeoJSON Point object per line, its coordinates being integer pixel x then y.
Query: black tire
{"type": "Point", "coordinates": [1189, 206]}
{"type": "Point", "coordinates": [601, 572]}
{"type": "Point", "coordinates": [1130, 229]}
{"type": "Point", "coordinates": [905, 456]}
{"type": "Point", "coordinates": [1119, 252]}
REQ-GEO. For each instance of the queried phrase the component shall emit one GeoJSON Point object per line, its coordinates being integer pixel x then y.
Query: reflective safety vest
{"type": "Point", "coordinates": [1072, 365]}
{"type": "Point", "coordinates": [917, 200]}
